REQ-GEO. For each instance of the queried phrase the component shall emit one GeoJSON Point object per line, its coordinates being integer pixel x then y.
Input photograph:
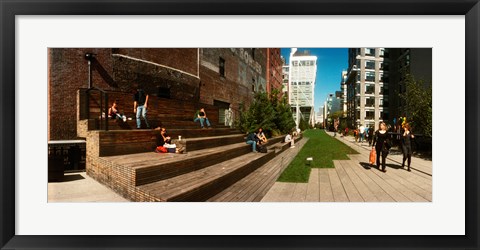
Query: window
{"type": "Point", "coordinates": [370, 115]}
{"type": "Point", "coordinates": [370, 89]}
{"type": "Point", "coordinates": [370, 76]}
{"type": "Point", "coordinates": [370, 51]}
{"type": "Point", "coordinates": [221, 66]}
{"type": "Point", "coordinates": [370, 64]}
{"type": "Point", "coordinates": [253, 85]}
{"type": "Point", "coordinates": [370, 102]}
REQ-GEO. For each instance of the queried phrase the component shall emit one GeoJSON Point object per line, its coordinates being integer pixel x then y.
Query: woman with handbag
{"type": "Point", "coordinates": [381, 144]}
{"type": "Point", "coordinates": [407, 145]}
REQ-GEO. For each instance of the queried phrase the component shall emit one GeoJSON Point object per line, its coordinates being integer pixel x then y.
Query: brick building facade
{"type": "Point", "coordinates": [274, 70]}
{"type": "Point", "coordinates": [215, 76]}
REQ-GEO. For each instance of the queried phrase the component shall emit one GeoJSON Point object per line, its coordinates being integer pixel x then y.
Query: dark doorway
{"type": "Point", "coordinates": [222, 106]}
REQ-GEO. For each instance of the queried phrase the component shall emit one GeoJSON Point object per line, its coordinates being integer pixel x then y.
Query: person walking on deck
{"type": "Point", "coordinates": [407, 145]}
{"type": "Point", "coordinates": [381, 145]}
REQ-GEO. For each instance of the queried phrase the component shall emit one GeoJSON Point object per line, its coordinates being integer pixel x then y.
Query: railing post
{"type": "Point", "coordinates": [106, 111]}
{"type": "Point", "coordinates": [100, 108]}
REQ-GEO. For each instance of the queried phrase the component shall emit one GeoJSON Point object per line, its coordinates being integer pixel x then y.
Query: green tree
{"type": "Point", "coordinates": [283, 113]}
{"type": "Point", "coordinates": [304, 125]}
{"type": "Point", "coordinates": [337, 114]}
{"type": "Point", "coordinates": [271, 113]}
{"type": "Point", "coordinates": [418, 100]}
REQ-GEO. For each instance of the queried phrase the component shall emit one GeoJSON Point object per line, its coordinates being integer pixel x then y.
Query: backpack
{"type": "Point", "coordinates": [261, 149]}
{"type": "Point", "coordinates": [252, 137]}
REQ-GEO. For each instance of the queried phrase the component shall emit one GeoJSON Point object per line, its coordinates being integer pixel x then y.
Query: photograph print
{"type": "Point", "coordinates": [239, 124]}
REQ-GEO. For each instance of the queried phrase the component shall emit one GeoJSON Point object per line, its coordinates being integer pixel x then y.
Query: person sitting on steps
{"type": "Point", "coordinates": [163, 140]}
{"type": "Point", "coordinates": [289, 138]}
{"type": "Point", "coordinates": [261, 137]}
{"type": "Point", "coordinates": [114, 113]}
{"type": "Point", "coordinates": [252, 139]}
{"type": "Point", "coordinates": [201, 116]}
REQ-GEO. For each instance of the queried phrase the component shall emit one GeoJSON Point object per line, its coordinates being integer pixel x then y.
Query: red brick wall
{"type": "Point", "coordinates": [68, 71]}
{"type": "Point", "coordinates": [274, 70]}
{"type": "Point", "coordinates": [182, 59]}
{"type": "Point", "coordinates": [242, 69]}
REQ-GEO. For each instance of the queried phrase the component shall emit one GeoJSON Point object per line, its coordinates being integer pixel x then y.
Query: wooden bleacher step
{"type": "Point", "coordinates": [253, 187]}
{"type": "Point", "coordinates": [117, 124]}
{"type": "Point", "coordinates": [194, 144]}
{"type": "Point", "coordinates": [151, 167]}
{"type": "Point", "coordinates": [205, 183]}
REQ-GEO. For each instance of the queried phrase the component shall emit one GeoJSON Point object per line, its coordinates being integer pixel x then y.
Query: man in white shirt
{"type": "Point", "coordinates": [362, 132]}
{"type": "Point", "coordinates": [289, 138]}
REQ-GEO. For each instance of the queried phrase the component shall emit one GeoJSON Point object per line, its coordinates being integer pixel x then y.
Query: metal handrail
{"type": "Point", "coordinates": [103, 95]}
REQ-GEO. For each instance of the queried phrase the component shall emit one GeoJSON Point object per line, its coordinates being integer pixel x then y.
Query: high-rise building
{"type": "Point", "coordinates": [366, 103]}
{"type": "Point", "coordinates": [285, 73]}
{"type": "Point", "coordinates": [343, 86]}
{"type": "Point", "coordinates": [302, 74]}
{"type": "Point", "coordinates": [375, 80]}
{"type": "Point", "coordinates": [414, 61]}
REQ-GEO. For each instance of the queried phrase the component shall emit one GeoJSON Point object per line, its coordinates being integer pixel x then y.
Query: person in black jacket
{"type": "Point", "coordinates": [407, 145]}
{"type": "Point", "coordinates": [381, 144]}
{"type": "Point", "coordinates": [252, 139]}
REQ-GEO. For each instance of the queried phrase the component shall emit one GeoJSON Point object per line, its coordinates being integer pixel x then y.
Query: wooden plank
{"type": "Point", "coordinates": [255, 186]}
{"type": "Point", "coordinates": [420, 184]}
{"type": "Point", "coordinates": [326, 193]}
{"type": "Point", "coordinates": [282, 191]}
{"type": "Point", "coordinates": [372, 185]}
{"type": "Point", "coordinates": [206, 182]}
{"type": "Point", "coordinates": [278, 165]}
{"type": "Point", "coordinates": [339, 194]}
{"type": "Point", "coordinates": [374, 174]}
{"type": "Point", "coordinates": [300, 192]}
{"type": "Point", "coordinates": [350, 189]}
{"type": "Point", "coordinates": [313, 187]}
{"type": "Point", "coordinates": [256, 183]}
{"type": "Point", "coordinates": [362, 188]}
{"type": "Point", "coordinates": [404, 190]}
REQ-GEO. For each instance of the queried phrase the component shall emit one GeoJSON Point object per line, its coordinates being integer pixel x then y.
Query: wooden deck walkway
{"type": "Point", "coordinates": [355, 180]}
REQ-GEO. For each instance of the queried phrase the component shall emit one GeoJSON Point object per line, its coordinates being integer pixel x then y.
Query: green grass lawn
{"type": "Point", "coordinates": [322, 148]}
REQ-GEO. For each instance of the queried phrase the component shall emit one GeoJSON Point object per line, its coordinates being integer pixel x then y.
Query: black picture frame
{"type": "Point", "coordinates": [9, 9]}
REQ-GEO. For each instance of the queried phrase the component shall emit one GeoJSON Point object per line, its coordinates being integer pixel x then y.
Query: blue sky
{"type": "Point", "coordinates": [330, 63]}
